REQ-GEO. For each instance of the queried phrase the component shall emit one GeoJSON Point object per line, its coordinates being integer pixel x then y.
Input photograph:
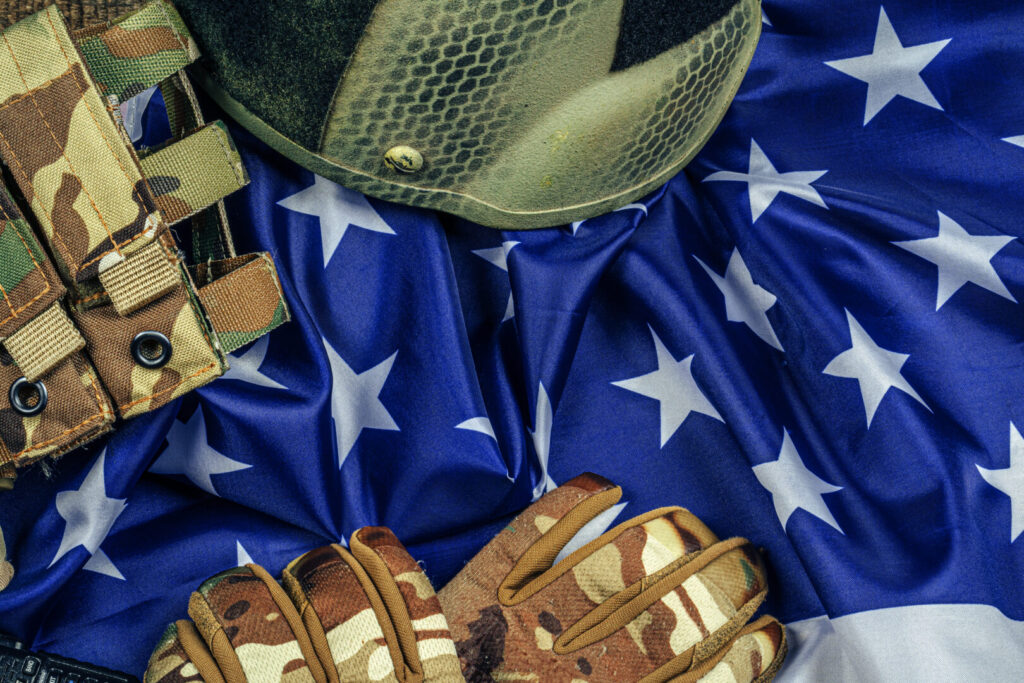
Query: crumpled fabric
{"type": "Point", "coordinates": [892, 544]}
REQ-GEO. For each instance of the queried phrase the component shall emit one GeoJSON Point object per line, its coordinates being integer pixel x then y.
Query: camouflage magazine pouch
{"type": "Point", "coordinates": [144, 325]}
{"type": "Point", "coordinates": [54, 398]}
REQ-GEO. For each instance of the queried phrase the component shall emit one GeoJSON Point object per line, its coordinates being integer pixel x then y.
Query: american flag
{"type": "Point", "coordinates": [812, 337]}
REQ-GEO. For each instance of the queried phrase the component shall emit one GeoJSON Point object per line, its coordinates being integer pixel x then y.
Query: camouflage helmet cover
{"type": "Point", "coordinates": [511, 113]}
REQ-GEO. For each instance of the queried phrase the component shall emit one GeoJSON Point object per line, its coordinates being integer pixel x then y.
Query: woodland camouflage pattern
{"type": "Point", "coordinates": [99, 214]}
{"type": "Point", "coordinates": [188, 176]}
{"type": "Point", "coordinates": [79, 409]}
{"type": "Point", "coordinates": [332, 599]}
{"type": "Point", "coordinates": [658, 596]}
{"type": "Point", "coordinates": [139, 50]}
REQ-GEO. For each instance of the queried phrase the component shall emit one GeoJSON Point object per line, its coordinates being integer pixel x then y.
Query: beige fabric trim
{"type": "Point", "coordinates": [142, 278]}
{"type": "Point", "coordinates": [43, 342]}
{"type": "Point", "coordinates": [6, 568]}
{"type": "Point", "coordinates": [291, 616]}
{"type": "Point", "coordinates": [197, 653]}
{"type": "Point", "coordinates": [396, 611]}
{"type": "Point", "coordinates": [625, 606]}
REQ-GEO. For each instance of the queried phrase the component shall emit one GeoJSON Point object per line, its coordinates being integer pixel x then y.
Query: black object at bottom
{"type": "Point", "coordinates": [18, 665]}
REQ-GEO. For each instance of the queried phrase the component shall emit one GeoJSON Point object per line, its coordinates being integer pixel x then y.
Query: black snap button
{"type": "Point", "coordinates": [151, 349]}
{"type": "Point", "coordinates": [27, 398]}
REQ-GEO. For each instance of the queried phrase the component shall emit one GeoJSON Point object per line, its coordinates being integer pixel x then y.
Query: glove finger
{"type": "Point", "coordinates": [339, 607]}
{"type": "Point", "coordinates": [559, 597]}
{"type": "Point", "coordinates": [753, 656]}
{"type": "Point", "coordinates": [610, 614]}
{"type": "Point", "coordinates": [181, 655]}
{"type": "Point", "coordinates": [645, 545]}
{"type": "Point", "coordinates": [542, 530]}
{"type": "Point", "coordinates": [690, 610]}
{"type": "Point", "coordinates": [414, 609]}
{"type": "Point", "coordinates": [252, 628]}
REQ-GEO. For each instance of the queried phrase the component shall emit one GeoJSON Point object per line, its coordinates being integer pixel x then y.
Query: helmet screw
{"type": "Point", "coordinates": [403, 159]}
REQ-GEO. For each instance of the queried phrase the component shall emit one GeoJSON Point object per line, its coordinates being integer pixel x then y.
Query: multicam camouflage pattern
{"type": "Point", "coordinates": [681, 596]}
{"type": "Point", "coordinates": [97, 212]}
{"type": "Point", "coordinates": [28, 283]}
{"type": "Point", "coordinates": [170, 661]}
{"type": "Point", "coordinates": [755, 655]}
{"type": "Point", "coordinates": [330, 591]}
{"type": "Point", "coordinates": [239, 605]}
{"type": "Point", "coordinates": [139, 50]}
{"type": "Point", "coordinates": [195, 360]}
{"type": "Point", "coordinates": [242, 297]}
{"type": "Point", "coordinates": [78, 411]}
{"type": "Point", "coordinates": [434, 647]}
{"type": "Point", "coordinates": [325, 586]}
{"type": "Point", "coordinates": [66, 153]}
{"type": "Point", "coordinates": [193, 173]}
{"type": "Point", "coordinates": [78, 408]}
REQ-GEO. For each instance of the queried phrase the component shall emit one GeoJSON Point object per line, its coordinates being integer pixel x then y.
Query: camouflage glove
{"type": "Point", "coordinates": [368, 614]}
{"type": "Point", "coordinates": [657, 598]}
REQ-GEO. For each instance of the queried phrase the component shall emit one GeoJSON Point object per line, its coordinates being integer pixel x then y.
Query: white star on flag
{"type": "Point", "coordinates": [478, 424]}
{"type": "Point", "coordinates": [1015, 140]}
{"type": "Point", "coordinates": [876, 369]}
{"type": "Point", "coordinates": [575, 225]}
{"type": "Point", "coordinates": [541, 435]}
{"type": "Point", "coordinates": [764, 182]}
{"type": "Point", "coordinates": [337, 208]}
{"type": "Point", "coordinates": [355, 402]}
{"type": "Point", "coordinates": [745, 301]}
{"type": "Point", "coordinates": [242, 555]}
{"type": "Point", "coordinates": [89, 514]}
{"type": "Point", "coordinates": [672, 385]}
{"type": "Point", "coordinates": [794, 487]}
{"type": "Point", "coordinates": [1010, 480]}
{"type": "Point", "coordinates": [961, 258]}
{"type": "Point", "coordinates": [891, 69]}
{"type": "Point", "coordinates": [498, 256]}
{"type": "Point", "coordinates": [189, 453]}
{"type": "Point", "coordinates": [246, 368]}
{"type": "Point", "coordinates": [482, 425]}
{"type": "Point", "coordinates": [591, 530]}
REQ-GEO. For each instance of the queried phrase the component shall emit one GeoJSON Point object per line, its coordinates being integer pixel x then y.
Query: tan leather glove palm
{"type": "Point", "coordinates": [657, 598]}
{"type": "Point", "coordinates": [368, 614]}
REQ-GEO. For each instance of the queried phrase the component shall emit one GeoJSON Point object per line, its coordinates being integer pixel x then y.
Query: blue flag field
{"type": "Point", "coordinates": [812, 337]}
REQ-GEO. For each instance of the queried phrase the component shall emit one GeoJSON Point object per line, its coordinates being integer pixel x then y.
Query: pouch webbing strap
{"type": "Point", "coordinates": [189, 175]}
{"type": "Point", "coordinates": [242, 298]}
{"type": "Point", "coordinates": [182, 105]}
{"type": "Point", "coordinates": [211, 234]}
{"type": "Point", "coordinates": [79, 13]}
{"type": "Point", "coordinates": [66, 152]}
{"type": "Point", "coordinates": [44, 342]}
{"type": "Point", "coordinates": [145, 277]}
{"type": "Point", "coordinates": [138, 51]}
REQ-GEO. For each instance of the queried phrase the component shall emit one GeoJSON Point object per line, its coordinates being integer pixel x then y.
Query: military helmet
{"type": "Point", "coordinates": [510, 113]}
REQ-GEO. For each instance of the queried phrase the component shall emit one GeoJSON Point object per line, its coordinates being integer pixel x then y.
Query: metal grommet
{"type": "Point", "coordinates": [27, 398]}
{"type": "Point", "coordinates": [151, 349]}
